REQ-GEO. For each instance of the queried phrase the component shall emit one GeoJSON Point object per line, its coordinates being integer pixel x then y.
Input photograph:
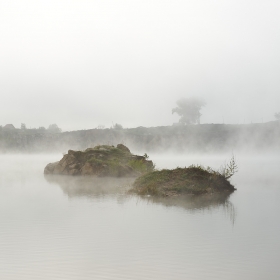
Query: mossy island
{"type": "Point", "coordinates": [111, 161]}
{"type": "Point", "coordinates": [194, 180]}
{"type": "Point", "coordinates": [101, 161]}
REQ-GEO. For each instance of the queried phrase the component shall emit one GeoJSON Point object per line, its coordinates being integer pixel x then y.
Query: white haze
{"type": "Point", "coordinates": [84, 63]}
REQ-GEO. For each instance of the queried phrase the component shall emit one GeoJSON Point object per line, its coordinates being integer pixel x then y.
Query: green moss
{"type": "Point", "coordinates": [137, 165]}
{"type": "Point", "coordinates": [114, 169]}
{"type": "Point", "coordinates": [96, 162]}
{"type": "Point", "coordinates": [106, 153]}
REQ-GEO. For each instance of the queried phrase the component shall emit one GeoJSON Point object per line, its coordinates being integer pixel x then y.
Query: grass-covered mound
{"type": "Point", "coordinates": [192, 180]}
{"type": "Point", "coordinates": [101, 161]}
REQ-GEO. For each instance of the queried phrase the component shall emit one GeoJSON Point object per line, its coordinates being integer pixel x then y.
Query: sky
{"type": "Point", "coordinates": [85, 63]}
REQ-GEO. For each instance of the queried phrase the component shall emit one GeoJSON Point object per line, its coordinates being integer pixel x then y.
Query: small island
{"type": "Point", "coordinates": [101, 161]}
{"type": "Point", "coordinates": [194, 180]}
{"type": "Point", "coordinates": [111, 161]}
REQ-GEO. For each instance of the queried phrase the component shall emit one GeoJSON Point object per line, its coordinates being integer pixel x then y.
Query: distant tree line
{"type": "Point", "coordinates": [52, 128]}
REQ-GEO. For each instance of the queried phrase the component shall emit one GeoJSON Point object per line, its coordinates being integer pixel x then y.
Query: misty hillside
{"type": "Point", "coordinates": [188, 138]}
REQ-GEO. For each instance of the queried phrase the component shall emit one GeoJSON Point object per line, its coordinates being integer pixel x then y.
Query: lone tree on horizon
{"type": "Point", "coordinates": [54, 128]}
{"type": "Point", "coordinates": [189, 110]}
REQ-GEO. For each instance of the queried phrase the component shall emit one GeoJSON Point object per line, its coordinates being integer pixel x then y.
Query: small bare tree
{"type": "Point", "coordinates": [229, 169]}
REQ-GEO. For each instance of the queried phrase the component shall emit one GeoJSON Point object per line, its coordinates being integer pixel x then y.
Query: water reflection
{"type": "Point", "coordinates": [193, 203]}
{"type": "Point", "coordinates": [93, 187]}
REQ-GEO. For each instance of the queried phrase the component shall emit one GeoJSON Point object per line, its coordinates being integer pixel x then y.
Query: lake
{"type": "Point", "coordinates": [84, 228]}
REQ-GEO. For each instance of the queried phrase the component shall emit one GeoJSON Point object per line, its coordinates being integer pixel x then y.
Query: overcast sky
{"type": "Point", "coordinates": [83, 63]}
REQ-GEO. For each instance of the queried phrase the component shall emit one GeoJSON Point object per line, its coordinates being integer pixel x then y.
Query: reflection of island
{"type": "Point", "coordinates": [80, 186]}
{"type": "Point", "coordinates": [193, 203]}
{"type": "Point", "coordinates": [94, 187]}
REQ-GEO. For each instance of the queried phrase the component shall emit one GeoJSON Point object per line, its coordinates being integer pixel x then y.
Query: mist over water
{"type": "Point", "coordinates": [182, 82]}
{"type": "Point", "coordinates": [78, 228]}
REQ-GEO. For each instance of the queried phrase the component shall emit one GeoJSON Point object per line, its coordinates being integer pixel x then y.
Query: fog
{"type": "Point", "coordinates": [81, 64]}
{"type": "Point", "coordinates": [179, 83]}
{"type": "Point", "coordinates": [182, 139]}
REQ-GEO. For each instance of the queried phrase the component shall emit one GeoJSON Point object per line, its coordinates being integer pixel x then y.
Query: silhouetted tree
{"type": "Point", "coordinates": [117, 126]}
{"type": "Point", "coordinates": [54, 128]}
{"type": "Point", "coordinates": [23, 126]}
{"type": "Point", "coordinates": [277, 116]}
{"type": "Point", "coordinates": [189, 110]}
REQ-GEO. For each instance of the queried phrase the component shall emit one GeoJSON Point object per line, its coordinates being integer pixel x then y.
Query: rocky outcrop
{"type": "Point", "coordinates": [101, 161]}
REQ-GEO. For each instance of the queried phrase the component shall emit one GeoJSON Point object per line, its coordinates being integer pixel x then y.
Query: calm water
{"type": "Point", "coordinates": [77, 228]}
